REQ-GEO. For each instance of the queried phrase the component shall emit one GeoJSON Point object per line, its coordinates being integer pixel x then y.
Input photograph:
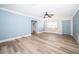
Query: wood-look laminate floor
{"type": "Point", "coordinates": [44, 43]}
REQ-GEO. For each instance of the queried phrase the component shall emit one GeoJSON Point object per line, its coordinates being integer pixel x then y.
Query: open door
{"type": "Point", "coordinates": [33, 26]}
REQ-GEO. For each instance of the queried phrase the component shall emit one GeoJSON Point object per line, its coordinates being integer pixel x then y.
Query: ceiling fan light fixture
{"type": "Point", "coordinates": [48, 15]}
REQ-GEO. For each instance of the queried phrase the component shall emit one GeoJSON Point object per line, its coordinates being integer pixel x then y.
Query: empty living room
{"type": "Point", "coordinates": [39, 28]}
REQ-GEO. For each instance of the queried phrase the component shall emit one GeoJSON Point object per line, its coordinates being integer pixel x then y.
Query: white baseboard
{"type": "Point", "coordinates": [39, 32]}
{"type": "Point", "coordinates": [76, 37]}
{"type": "Point", "coordinates": [71, 34]}
{"type": "Point", "coordinates": [14, 38]}
{"type": "Point", "coordinates": [52, 32]}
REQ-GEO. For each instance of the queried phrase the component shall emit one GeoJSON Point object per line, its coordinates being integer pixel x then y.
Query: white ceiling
{"type": "Point", "coordinates": [38, 10]}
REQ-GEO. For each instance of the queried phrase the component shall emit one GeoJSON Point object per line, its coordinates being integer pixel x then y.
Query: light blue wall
{"type": "Point", "coordinates": [40, 26]}
{"type": "Point", "coordinates": [12, 25]}
{"type": "Point", "coordinates": [66, 28]}
{"type": "Point", "coordinates": [76, 24]}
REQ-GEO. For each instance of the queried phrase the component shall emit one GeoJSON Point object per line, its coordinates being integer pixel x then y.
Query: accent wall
{"type": "Point", "coordinates": [13, 25]}
{"type": "Point", "coordinates": [76, 25]}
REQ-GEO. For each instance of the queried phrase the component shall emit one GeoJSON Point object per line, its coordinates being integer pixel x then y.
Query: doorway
{"type": "Point", "coordinates": [33, 29]}
{"type": "Point", "coordinates": [66, 27]}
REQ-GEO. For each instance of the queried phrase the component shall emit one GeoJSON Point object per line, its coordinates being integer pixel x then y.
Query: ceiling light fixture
{"type": "Point", "coordinates": [48, 15]}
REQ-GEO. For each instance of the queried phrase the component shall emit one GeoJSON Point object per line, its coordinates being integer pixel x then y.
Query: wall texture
{"type": "Point", "coordinates": [76, 24]}
{"type": "Point", "coordinates": [12, 25]}
{"type": "Point", "coordinates": [66, 27]}
{"type": "Point", "coordinates": [40, 26]}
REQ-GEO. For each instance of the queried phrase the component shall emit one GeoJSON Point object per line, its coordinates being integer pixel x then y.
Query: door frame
{"type": "Point", "coordinates": [33, 22]}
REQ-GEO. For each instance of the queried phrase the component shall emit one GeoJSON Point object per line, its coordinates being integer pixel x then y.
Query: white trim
{"type": "Point", "coordinates": [14, 38]}
{"type": "Point", "coordinates": [16, 12]}
{"type": "Point", "coordinates": [76, 37]}
{"type": "Point", "coordinates": [39, 32]}
{"type": "Point", "coordinates": [49, 32]}
{"type": "Point", "coordinates": [72, 27]}
{"type": "Point", "coordinates": [52, 32]}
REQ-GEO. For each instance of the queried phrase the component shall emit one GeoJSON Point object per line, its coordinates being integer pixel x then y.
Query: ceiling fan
{"type": "Point", "coordinates": [48, 15]}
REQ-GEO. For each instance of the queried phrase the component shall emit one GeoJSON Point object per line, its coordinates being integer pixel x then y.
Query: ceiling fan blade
{"type": "Point", "coordinates": [48, 15]}
{"type": "Point", "coordinates": [51, 14]}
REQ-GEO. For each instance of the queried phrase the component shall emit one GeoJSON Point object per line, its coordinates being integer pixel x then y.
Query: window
{"type": "Point", "coordinates": [52, 24]}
